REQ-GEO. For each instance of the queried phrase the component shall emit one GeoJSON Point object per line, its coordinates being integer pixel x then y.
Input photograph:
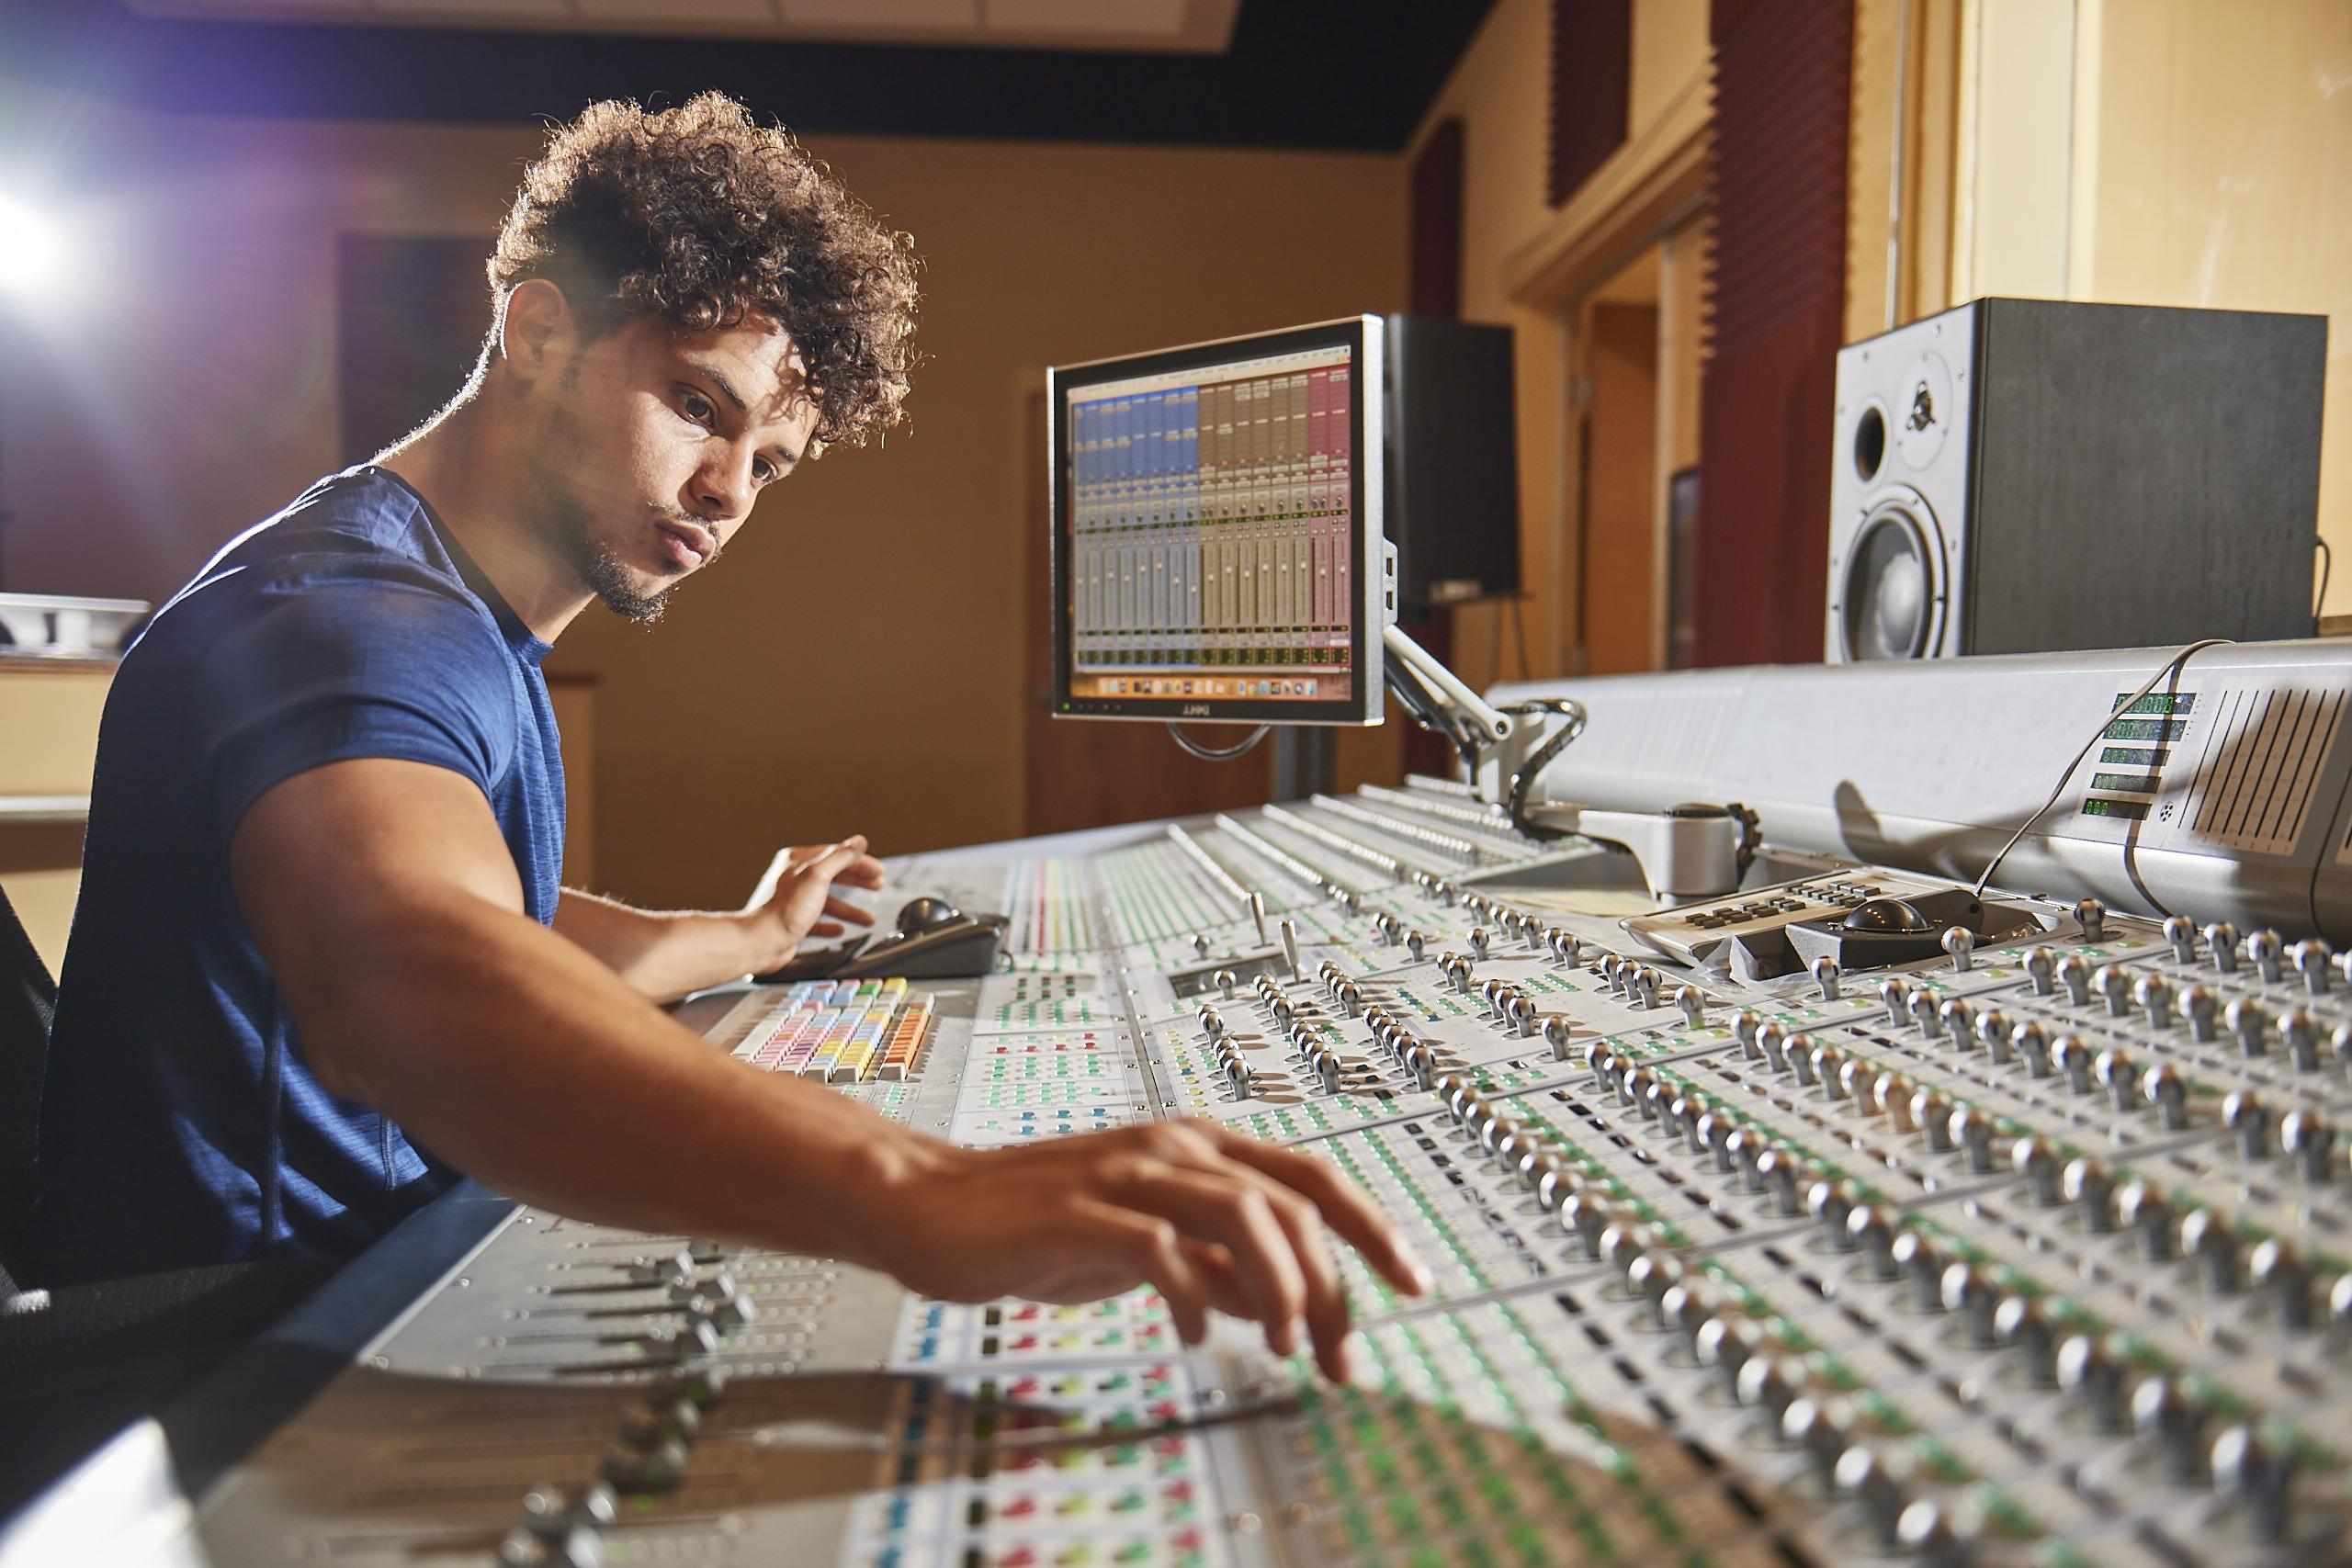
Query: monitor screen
{"type": "Point", "coordinates": [1216, 521]}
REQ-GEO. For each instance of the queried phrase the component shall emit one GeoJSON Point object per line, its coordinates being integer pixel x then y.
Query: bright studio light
{"type": "Point", "coordinates": [28, 248]}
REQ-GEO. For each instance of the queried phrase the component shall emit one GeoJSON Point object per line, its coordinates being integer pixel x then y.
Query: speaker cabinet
{"type": "Point", "coordinates": [2024, 476]}
{"type": "Point", "coordinates": [1453, 461]}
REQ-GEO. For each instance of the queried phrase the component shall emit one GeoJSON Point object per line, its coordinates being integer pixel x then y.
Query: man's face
{"type": "Point", "coordinates": [653, 443]}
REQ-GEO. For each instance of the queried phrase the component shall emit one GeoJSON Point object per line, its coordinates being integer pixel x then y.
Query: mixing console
{"type": "Point", "coordinates": [1847, 1218]}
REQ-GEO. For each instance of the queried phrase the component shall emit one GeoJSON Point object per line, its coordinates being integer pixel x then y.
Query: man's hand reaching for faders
{"type": "Point", "coordinates": [1208, 1217]}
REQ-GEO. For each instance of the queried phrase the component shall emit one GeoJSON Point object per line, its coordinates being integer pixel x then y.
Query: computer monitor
{"type": "Point", "coordinates": [1217, 544]}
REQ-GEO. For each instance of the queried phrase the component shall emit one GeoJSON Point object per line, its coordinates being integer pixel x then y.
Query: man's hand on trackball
{"type": "Point", "coordinates": [803, 904]}
{"type": "Point", "coordinates": [1209, 1218]}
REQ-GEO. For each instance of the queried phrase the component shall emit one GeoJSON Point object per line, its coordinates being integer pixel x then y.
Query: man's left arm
{"type": "Point", "coordinates": [666, 955]}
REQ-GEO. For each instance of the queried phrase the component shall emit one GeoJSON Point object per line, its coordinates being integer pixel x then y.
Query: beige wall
{"type": "Point", "coordinates": [2133, 152]}
{"type": "Point", "coordinates": [856, 664]}
{"type": "Point", "coordinates": [1524, 261]}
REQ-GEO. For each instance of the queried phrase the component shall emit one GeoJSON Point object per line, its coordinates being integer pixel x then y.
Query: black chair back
{"type": "Point", "coordinates": [28, 1002]}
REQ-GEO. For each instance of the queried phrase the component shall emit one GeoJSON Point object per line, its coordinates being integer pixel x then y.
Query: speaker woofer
{"type": "Point", "coordinates": [1891, 595]}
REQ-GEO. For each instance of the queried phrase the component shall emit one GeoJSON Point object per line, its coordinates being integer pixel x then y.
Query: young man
{"type": "Point", "coordinates": [323, 962]}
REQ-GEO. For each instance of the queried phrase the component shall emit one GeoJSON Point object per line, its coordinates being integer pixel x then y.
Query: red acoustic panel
{"type": "Point", "coordinates": [1593, 70]}
{"type": "Point", "coordinates": [1775, 316]}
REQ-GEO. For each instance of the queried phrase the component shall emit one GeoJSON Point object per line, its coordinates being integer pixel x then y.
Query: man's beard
{"type": "Point", "coordinates": [568, 523]}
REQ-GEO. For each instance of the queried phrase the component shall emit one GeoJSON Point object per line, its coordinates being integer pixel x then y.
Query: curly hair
{"type": "Point", "coordinates": [705, 216]}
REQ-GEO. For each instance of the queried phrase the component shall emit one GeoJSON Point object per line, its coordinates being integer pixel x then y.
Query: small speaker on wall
{"type": "Point", "coordinates": [1453, 462]}
{"type": "Point", "coordinates": [2023, 476]}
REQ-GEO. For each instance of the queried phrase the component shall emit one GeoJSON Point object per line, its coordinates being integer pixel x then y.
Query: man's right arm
{"type": "Point", "coordinates": [386, 903]}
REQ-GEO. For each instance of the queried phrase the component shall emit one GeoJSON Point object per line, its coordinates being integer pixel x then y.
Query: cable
{"type": "Point", "coordinates": [1522, 781]}
{"type": "Point", "coordinates": [2326, 566]}
{"type": "Point", "coordinates": [1216, 754]}
{"type": "Point", "coordinates": [1519, 636]}
{"type": "Point", "coordinates": [2171, 667]}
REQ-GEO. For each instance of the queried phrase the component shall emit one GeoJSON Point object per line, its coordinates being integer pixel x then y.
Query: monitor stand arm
{"type": "Point", "coordinates": [1438, 701]}
{"type": "Point", "coordinates": [1686, 852]}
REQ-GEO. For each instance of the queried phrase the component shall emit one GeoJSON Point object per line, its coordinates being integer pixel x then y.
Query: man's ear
{"type": "Point", "coordinates": [536, 329]}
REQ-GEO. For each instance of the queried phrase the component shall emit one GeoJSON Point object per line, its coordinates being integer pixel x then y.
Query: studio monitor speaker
{"type": "Point", "coordinates": [1453, 462]}
{"type": "Point", "coordinates": [2030, 475]}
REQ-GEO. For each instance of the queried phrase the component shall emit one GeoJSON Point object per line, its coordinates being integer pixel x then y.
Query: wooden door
{"type": "Point", "coordinates": [1618, 587]}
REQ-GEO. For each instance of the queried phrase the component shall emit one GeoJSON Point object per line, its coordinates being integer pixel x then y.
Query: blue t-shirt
{"type": "Point", "coordinates": [180, 1123]}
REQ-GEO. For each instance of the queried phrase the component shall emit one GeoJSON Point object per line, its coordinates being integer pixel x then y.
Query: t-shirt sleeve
{"type": "Point", "coordinates": [390, 662]}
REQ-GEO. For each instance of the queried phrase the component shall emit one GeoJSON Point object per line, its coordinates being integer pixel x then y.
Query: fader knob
{"type": "Point", "coordinates": [1959, 1018]}
{"type": "Point", "coordinates": [2310, 958]}
{"type": "Point", "coordinates": [1769, 1383]}
{"type": "Point", "coordinates": [2258, 1474]}
{"type": "Point", "coordinates": [1773, 1040]}
{"type": "Point", "coordinates": [1825, 1061]}
{"type": "Point", "coordinates": [2091, 915]}
{"type": "Point", "coordinates": [1930, 1538]}
{"type": "Point", "coordinates": [1924, 1014]}
{"type": "Point", "coordinates": [1961, 943]}
{"type": "Point", "coordinates": [2265, 948]}
{"type": "Point", "coordinates": [1993, 1029]}
{"type": "Point", "coordinates": [2120, 1075]}
{"type": "Point", "coordinates": [2041, 971]}
{"type": "Point", "coordinates": [1934, 1117]}
{"type": "Point", "coordinates": [2181, 931]}
{"type": "Point", "coordinates": [1870, 1229]}
{"type": "Point", "coordinates": [2202, 1009]}
{"type": "Point", "coordinates": [1777, 1168]}
{"type": "Point", "coordinates": [1416, 945]}
{"type": "Point", "coordinates": [1808, 1424]}
{"type": "Point", "coordinates": [2036, 1162]}
{"type": "Point", "coordinates": [1199, 945]}
{"type": "Point", "coordinates": [1918, 1260]}
{"type": "Point", "coordinates": [1825, 975]}
{"type": "Point", "coordinates": [2114, 987]}
{"type": "Point", "coordinates": [2207, 1237]}
{"type": "Point", "coordinates": [1692, 1005]}
{"type": "Point", "coordinates": [2298, 1037]}
{"type": "Point", "coordinates": [2177, 1425]}
{"type": "Point", "coordinates": [1555, 1034]}
{"type": "Point", "coordinates": [2248, 1022]}
{"type": "Point", "coordinates": [1727, 1344]}
{"type": "Point", "coordinates": [1855, 1080]}
{"type": "Point", "coordinates": [1864, 1476]}
{"type": "Point", "coordinates": [2152, 995]}
{"type": "Point", "coordinates": [1523, 1014]}
{"type": "Point", "coordinates": [2244, 1112]}
{"type": "Point", "coordinates": [1479, 941]}
{"type": "Point", "coordinates": [2023, 1324]}
{"type": "Point", "coordinates": [2093, 1375]}
{"type": "Point", "coordinates": [659, 1270]}
{"type": "Point", "coordinates": [2074, 978]}
{"type": "Point", "coordinates": [2031, 1043]}
{"type": "Point", "coordinates": [1895, 997]}
{"type": "Point", "coordinates": [2279, 1268]}
{"type": "Point", "coordinates": [1326, 1067]}
{"type": "Point", "coordinates": [1831, 1204]}
{"type": "Point", "coordinates": [2148, 1215]}
{"type": "Point", "coordinates": [1648, 1277]}
{"type": "Point", "coordinates": [1973, 1132]}
{"type": "Point", "coordinates": [2091, 1188]}
{"type": "Point", "coordinates": [2072, 1060]}
{"type": "Point", "coordinates": [1967, 1291]}
{"type": "Point", "coordinates": [2222, 941]}
{"type": "Point", "coordinates": [1892, 1094]}
{"type": "Point", "coordinates": [1646, 983]}
{"type": "Point", "coordinates": [2167, 1090]}
{"type": "Point", "coordinates": [1351, 999]}
{"type": "Point", "coordinates": [1585, 1216]}
{"type": "Point", "coordinates": [2307, 1137]}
